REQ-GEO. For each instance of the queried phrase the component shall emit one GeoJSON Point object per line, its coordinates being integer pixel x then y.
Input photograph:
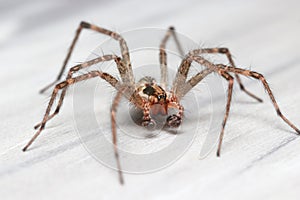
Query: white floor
{"type": "Point", "coordinates": [260, 155]}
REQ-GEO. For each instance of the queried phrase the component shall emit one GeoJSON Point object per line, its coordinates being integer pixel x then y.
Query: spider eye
{"type": "Point", "coordinates": [149, 90]}
{"type": "Point", "coordinates": [161, 96]}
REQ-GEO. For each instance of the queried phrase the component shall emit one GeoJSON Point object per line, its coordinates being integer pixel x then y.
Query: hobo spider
{"type": "Point", "coordinates": [146, 94]}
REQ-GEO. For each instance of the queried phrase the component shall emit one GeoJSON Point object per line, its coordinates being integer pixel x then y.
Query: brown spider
{"type": "Point", "coordinates": [146, 94]}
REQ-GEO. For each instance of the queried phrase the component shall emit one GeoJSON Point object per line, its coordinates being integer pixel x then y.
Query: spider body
{"type": "Point", "coordinates": [146, 95]}
{"type": "Point", "coordinates": [154, 100]}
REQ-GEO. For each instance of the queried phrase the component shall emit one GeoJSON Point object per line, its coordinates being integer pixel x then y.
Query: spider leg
{"type": "Point", "coordinates": [181, 75]}
{"type": "Point", "coordinates": [116, 36]}
{"type": "Point", "coordinates": [163, 55]}
{"type": "Point", "coordinates": [114, 131]}
{"type": "Point", "coordinates": [76, 69]}
{"type": "Point", "coordinates": [224, 70]}
{"type": "Point", "coordinates": [229, 57]}
{"type": "Point", "coordinates": [186, 63]}
{"type": "Point", "coordinates": [66, 83]}
{"type": "Point", "coordinates": [260, 77]}
{"type": "Point", "coordinates": [198, 77]}
{"type": "Point", "coordinates": [230, 79]}
{"type": "Point", "coordinates": [194, 81]}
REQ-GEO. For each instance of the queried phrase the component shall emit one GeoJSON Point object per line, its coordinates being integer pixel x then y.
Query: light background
{"type": "Point", "coordinates": [260, 157]}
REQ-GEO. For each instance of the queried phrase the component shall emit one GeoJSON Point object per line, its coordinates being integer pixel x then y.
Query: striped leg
{"type": "Point", "coordinates": [163, 55]}
{"type": "Point", "coordinates": [229, 57]}
{"type": "Point", "coordinates": [74, 70]}
{"type": "Point", "coordinates": [116, 36]}
{"type": "Point", "coordinates": [215, 68]}
{"type": "Point", "coordinates": [224, 70]}
{"type": "Point", "coordinates": [229, 78]}
{"type": "Point", "coordinates": [186, 63]}
{"type": "Point", "coordinates": [194, 81]}
{"type": "Point", "coordinates": [260, 77]}
{"type": "Point", "coordinates": [114, 131]}
{"type": "Point", "coordinates": [111, 80]}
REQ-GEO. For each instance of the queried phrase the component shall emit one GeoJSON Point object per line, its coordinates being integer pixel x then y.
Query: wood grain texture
{"type": "Point", "coordinates": [260, 156]}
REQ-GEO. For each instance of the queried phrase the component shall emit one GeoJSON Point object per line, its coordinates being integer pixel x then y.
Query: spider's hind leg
{"type": "Point", "coordinates": [163, 55]}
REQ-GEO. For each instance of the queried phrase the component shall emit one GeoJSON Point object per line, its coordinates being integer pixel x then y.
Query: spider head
{"type": "Point", "coordinates": [159, 101]}
{"type": "Point", "coordinates": [156, 95]}
{"type": "Point", "coordinates": [151, 91]}
{"type": "Point", "coordinates": [157, 98]}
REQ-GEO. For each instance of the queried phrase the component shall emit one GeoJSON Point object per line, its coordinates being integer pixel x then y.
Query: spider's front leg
{"type": "Point", "coordinates": [113, 35]}
{"type": "Point", "coordinates": [114, 106]}
{"type": "Point", "coordinates": [76, 69]}
{"type": "Point", "coordinates": [110, 79]}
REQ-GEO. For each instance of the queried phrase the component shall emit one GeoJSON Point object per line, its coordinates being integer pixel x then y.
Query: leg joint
{"type": "Point", "coordinates": [278, 112]}
{"type": "Point", "coordinates": [57, 110]}
{"type": "Point", "coordinates": [61, 85]}
{"type": "Point", "coordinates": [257, 75]}
{"type": "Point", "coordinates": [223, 50]}
{"type": "Point", "coordinates": [85, 24]}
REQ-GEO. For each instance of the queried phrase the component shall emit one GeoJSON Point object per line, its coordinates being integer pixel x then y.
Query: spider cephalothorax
{"type": "Point", "coordinates": [146, 95]}
{"type": "Point", "coordinates": [154, 100]}
{"type": "Point", "coordinates": [150, 91]}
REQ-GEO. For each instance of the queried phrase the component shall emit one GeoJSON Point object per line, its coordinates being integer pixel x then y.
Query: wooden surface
{"type": "Point", "coordinates": [260, 156]}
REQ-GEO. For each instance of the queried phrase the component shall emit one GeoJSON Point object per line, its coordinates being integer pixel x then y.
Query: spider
{"type": "Point", "coordinates": [146, 94]}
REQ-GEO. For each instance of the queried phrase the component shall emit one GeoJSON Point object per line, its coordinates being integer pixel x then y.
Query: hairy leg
{"type": "Point", "coordinates": [183, 69]}
{"type": "Point", "coordinates": [260, 77]}
{"type": "Point", "coordinates": [229, 78]}
{"type": "Point", "coordinates": [60, 86]}
{"type": "Point", "coordinates": [76, 69]}
{"type": "Point", "coordinates": [194, 81]}
{"type": "Point", "coordinates": [114, 131]}
{"type": "Point", "coordinates": [116, 36]}
{"type": "Point", "coordinates": [163, 55]}
{"type": "Point", "coordinates": [224, 70]}
{"type": "Point", "coordinates": [229, 57]}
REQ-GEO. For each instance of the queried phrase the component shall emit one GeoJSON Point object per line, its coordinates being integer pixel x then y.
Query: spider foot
{"type": "Point", "coordinates": [149, 124]}
{"type": "Point", "coordinates": [174, 121]}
